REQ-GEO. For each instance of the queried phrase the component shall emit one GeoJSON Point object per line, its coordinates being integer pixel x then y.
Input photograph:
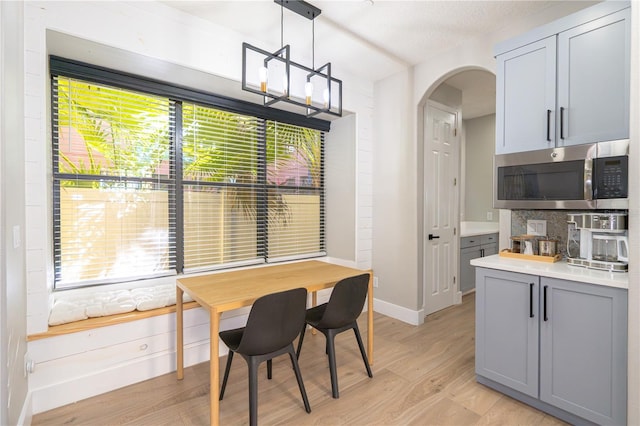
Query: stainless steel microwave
{"type": "Point", "coordinates": [592, 176]}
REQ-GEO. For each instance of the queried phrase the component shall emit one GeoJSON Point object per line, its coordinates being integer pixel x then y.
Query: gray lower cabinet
{"type": "Point", "coordinates": [507, 329]}
{"type": "Point", "coordinates": [583, 350]}
{"type": "Point", "coordinates": [473, 248]}
{"type": "Point", "coordinates": [558, 345]}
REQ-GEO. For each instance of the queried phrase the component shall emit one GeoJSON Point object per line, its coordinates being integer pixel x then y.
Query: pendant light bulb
{"type": "Point", "coordinates": [263, 73]}
{"type": "Point", "coordinates": [308, 91]}
{"type": "Point", "coordinates": [326, 97]}
{"type": "Point", "coordinates": [285, 84]}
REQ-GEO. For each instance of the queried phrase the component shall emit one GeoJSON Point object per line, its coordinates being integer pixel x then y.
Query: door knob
{"type": "Point", "coordinates": [432, 237]}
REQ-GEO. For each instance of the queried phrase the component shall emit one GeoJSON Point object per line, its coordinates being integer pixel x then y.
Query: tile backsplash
{"type": "Point", "coordinates": [556, 224]}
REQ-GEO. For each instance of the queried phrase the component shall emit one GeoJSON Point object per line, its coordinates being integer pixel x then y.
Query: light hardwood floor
{"type": "Point", "coordinates": [421, 376]}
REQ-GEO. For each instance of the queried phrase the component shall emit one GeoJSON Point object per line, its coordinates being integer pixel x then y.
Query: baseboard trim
{"type": "Point", "coordinates": [26, 414]}
{"type": "Point", "coordinates": [398, 312]}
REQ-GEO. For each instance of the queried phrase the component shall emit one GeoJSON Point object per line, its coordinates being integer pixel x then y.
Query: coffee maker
{"type": "Point", "coordinates": [598, 241]}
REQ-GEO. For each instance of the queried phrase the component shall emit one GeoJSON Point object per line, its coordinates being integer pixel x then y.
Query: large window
{"type": "Point", "coordinates": [148, 184]}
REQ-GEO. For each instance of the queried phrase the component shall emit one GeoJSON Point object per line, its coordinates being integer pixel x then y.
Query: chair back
{"type": "Point", "coordinates": [274, 322]}
{"type": "Point", "coordinates": [346, 302]}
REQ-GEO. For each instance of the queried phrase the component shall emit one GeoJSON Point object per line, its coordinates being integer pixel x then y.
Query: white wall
{"type": "Point", "coordinates": [83, 364]}
{"type": "Point", "coordinates": [340, 178]}
{"type": "Point", "coordinates": [3, 279]}
{"type": "Point", "coordinates": [394, 201]}
{"type": "Point", "coordinates": [479, 145]}
{"type": "Point", "coordinates": [13, 296]}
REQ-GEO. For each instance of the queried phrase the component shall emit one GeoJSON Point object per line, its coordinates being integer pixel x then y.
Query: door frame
{"type": "Point", "coordinates": [456, 294]}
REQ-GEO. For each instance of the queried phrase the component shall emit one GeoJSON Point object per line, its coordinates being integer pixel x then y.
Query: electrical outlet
{"type": "Point", "coordinates": [489, 216]}
{"type": "Point", "coordinates": [375, 282]}
{"type": "Point", "coordinates": [537, 227]}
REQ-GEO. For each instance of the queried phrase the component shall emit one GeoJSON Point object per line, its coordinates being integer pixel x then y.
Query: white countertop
{"type": "Point", "coordinates": [471, 229]}
{"type": "Point", "coordinates": [560, 270]}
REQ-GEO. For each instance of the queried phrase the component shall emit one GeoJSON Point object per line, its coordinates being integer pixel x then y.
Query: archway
{"type": "Point", "coordinates": [469, 93]}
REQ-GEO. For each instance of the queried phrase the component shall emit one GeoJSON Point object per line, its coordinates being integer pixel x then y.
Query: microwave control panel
{"type": "Point", "coordinates": [611, 177]}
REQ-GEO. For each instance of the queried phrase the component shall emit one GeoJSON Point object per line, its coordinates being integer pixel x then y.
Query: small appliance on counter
{"type": "Point", "coordinates": [598, 241]}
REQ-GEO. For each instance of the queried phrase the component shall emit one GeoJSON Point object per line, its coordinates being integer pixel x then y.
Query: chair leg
{"type": "Point", "coordinates": [331, 350]}
{"type": "Point", "coordinates": [226, 374]}
{"type": "Point", "coordinates": [296, 368]}
{"type": "Point", "coordinates": [356, 331]}
{"type": "Point", "coordinates": [253, 364]}
{"type": "Point", "coordinates": [304, 328]}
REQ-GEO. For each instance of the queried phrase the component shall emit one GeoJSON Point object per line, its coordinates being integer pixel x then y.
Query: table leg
{"type": "Point", "coordinates": [179, 334]}
{"type": "Point", "coordinates": [370, 321]}
{"type": "Point", "coordinates": [214, 365]}
{"type": "Point", "coordinates": [314, 303]}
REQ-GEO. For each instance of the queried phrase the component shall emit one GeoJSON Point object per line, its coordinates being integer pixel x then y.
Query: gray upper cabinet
{"type": "Point", "coordinates": [593, 80]}
{"type": "Point", "coordinates": [583, 350]}
{"type": "Point", "coordinates": [566, 83]}
{"type": "Point", "coordinates": [526, 98]}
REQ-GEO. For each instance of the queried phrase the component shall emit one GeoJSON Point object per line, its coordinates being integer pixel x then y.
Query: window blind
{"type": "Point", "coordinates": [295, 160]}
{"type": "Point", "coordinates": [149, 184]}
{"type": "Point", "coordinates": [114, 190]}
{"type": "Point", "coordinates": [222, 188]}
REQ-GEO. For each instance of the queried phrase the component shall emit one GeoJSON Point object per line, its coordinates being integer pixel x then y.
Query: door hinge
{"type": "Point", "coordinates": [455, 181]}
{"type": "Point", "coordinates": [455, 131]}
{"type": "Point", "coordinates": [454, 231]}
{"type": "Point", "coordinates": [454, 279]}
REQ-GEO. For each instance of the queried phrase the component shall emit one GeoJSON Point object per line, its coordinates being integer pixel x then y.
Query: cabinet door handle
{"type": "Point", "coordinates": [481, 252]}
{"type": "Point", "coordinates": [561, 122]}
{"type": "Point", "coordinates": [544, 295]}
{"type": "Point", "coordinates": [549, 125]}
{"type": "Point", "coordinates": [530, 300]}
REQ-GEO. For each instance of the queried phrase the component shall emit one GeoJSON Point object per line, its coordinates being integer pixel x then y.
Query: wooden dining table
{"type": "Point", "coordinates": [226, 291]}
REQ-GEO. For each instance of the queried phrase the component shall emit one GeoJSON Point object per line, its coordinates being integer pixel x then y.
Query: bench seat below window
{"type": "Point", "coordinates": [92, 323]}
{"type": "Point", "coordinates": [78, 312]}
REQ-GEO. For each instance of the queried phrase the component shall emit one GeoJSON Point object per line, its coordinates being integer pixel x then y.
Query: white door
{"type": "Point", "coordinates": [441, 147]}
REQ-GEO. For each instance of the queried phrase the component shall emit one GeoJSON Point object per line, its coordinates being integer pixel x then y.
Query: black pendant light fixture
{"type": "Point", "coordinates": [278, 79]}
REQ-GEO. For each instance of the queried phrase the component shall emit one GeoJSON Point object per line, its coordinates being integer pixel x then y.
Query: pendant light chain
{"type": "Point", "coordinates": [313, 43]}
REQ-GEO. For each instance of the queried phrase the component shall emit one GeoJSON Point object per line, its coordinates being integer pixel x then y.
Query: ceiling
{"type": "Point", "coordinates": [368, 39]}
